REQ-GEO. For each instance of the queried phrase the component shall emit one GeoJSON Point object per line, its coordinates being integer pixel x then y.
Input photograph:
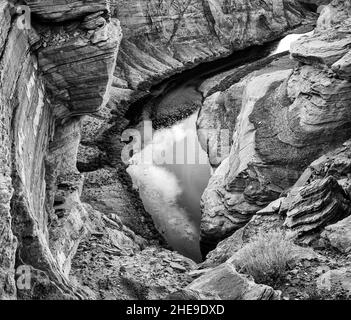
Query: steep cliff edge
{"type": "Point", "coordinates": [286, 119]}
{"type": "Point", "coordinates": [49, 76]}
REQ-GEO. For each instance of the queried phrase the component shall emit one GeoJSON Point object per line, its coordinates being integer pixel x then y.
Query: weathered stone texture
{"type": "Point", "coordinates": [61, 10]}
{"type": "Point", "coordinates": [63, 68]}
{"type": "Point", "coordinates": [320, 203]}
{"type": "Point", "coordinates": [225, 283]}
{"type": "Point", "coordinates": [164, 37]}
{"type": "Point", "coordinates": [13, 55]}
{"type": "Point", "coordinates": [77, 69]}
{"type": "Point", "coordinates": [35, 129]}
{"type": "Point", "coordinates": [283, 125]}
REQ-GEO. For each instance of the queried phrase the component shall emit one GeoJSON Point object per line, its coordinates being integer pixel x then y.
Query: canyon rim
{"type": "Point", "coordinates": [246, 191]}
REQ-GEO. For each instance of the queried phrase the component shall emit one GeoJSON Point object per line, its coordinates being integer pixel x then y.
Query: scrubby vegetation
{"type": "Point", "coordinates": [267, 257]}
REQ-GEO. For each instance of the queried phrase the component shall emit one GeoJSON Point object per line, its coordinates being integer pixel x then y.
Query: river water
{"type": "Point", "coordinates": [172, 171]}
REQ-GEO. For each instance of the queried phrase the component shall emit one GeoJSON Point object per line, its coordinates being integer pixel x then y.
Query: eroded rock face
{"type": "Point", "coordinates": [320, 203]}
{"type": "Point", "coordinates": [63, 10]}
{"type": "Point", "coordinates": [164, 37]}
{"type": "Point", "coordinates": [216, 123]}
{"type": "Point", "coordinates": [217, 117]}
{"type": "Point", "coordinates": [243, 184]}
{"type": "Point", "coordinates": [287, 119]}
{"type": "Point", "coordinates": [320, 198]}
{"type": "Point", "coordinates": [8, 243]}
{"type": "Point", "coordinates": [22, 103]}
{"type": "Point", "coordinates": [42, 88]}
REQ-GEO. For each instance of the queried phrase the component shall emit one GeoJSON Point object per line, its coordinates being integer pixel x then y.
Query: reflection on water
{"type": "Point", "coordinates": [284, 44]}
{"type": "Point", "coordinates": [171, 192]}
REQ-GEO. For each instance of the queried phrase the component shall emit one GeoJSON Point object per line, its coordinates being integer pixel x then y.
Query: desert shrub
{"type": "Point", "coordinates": [267, 257]}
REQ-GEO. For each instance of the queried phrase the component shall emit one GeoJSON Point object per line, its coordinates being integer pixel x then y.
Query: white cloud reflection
{"type": "Point", "coordinates": [285, 43]}
{"type": "Point", "coordinates": [161, 190]}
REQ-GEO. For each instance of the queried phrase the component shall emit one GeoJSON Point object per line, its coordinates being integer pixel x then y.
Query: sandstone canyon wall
{"type": "Point", "coordinates": [165, 37]}
{"type": "Point", "coordinates": [49, 77]}
{"type": "Point", "coordinates": [285, 118]}
{"type": "Point", "coordinates": [65, 66]}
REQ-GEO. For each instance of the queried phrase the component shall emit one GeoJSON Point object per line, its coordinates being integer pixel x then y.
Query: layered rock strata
{"type": "Point", "coordinates": [59, 11]}
{"type": "Point", "coordinates": [225, 283]}
{"type": "Point", "coordinates": [320, 198]}
{"type": "Point", "coordinates": [48, 78]}
{"type": "Point", "coordinates": [320, 203]}
{"type": "Point", "coordinates": [165, 37]}
{"type": "Point", "coordinates": [286, 120]}
{"type": "Point", "coordinates": [61, 69]}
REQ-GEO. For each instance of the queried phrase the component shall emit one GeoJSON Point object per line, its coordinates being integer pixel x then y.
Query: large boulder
{"type": "Point", "coordinates": [164, 37]}
{"type": "Point", "coordinates": [242, 185]}
{"type": "Point", "coordinates": [58, 11]}
{"type": "Point", "coordinates": [226, 283]}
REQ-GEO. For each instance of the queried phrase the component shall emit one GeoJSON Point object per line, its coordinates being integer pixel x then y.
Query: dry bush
{"type": "Point", "coordinates": [267, 257]}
